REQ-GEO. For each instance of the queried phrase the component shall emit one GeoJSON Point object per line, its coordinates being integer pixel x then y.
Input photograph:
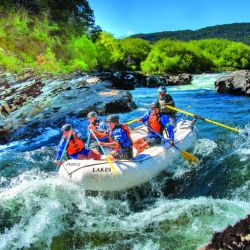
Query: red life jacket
{"type": "Point", "coordinates": [75, 145]}
{"type": "Point", "coordinates": [153, 122]}
{"type": "Point", "coordinates": [127, 131]}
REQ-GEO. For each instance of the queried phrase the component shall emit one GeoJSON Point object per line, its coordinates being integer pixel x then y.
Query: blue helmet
{"type": "Point", "coordinates": [162, 89]}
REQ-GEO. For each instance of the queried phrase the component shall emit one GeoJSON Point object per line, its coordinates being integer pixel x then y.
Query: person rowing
{"type": "Point", "coordinates": [119, 139]}
{"type": "Point", "coordinates": [74, 147]}
{"type": "Point", "coordinates": [166, 99]}
{"type": "Point", "coordinates": [98, 127]}
{"type": "Point", "coordinates": [158, 122]}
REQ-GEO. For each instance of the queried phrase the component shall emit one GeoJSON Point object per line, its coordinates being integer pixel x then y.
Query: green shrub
{"type": "Point", "coordinates": [80, 54]}
{"type": "Point", "coordinates": [10, 62]}
{"type": "Point", "coordinates": [174, 56]}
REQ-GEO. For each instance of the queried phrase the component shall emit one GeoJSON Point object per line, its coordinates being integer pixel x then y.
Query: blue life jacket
{"type": "Point", "coordinates": [119, 135]}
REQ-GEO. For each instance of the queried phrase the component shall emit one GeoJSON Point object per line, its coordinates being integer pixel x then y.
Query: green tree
{"type": "Point", "coordinates": [109, 51]}
{"type": "Point", "coordinates": [80, 54]}
{"type": "Point", "coordinates": [174, 56]}
{"type": "Point", "coordinates": [236, 56]}
{"type": "Point", "coordinates": [76, 14]}
{"type": "Point", "coordinates": [135, 50]}
{"type": "Point", "coordinates": [212, 50]}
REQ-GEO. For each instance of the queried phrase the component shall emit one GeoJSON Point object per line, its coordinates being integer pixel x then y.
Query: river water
{"type": "Point", "coordinates": [177, 210]}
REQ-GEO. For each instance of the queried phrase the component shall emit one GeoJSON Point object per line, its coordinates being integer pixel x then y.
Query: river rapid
{"type": "Point", "coordinates": [177, 210]}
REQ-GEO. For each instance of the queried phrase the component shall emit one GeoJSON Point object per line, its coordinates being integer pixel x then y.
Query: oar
{"type": "Point", "coordinates": [104, 152]}
{"type": "Point", "coordinates": [63, 152]}
{"type": "Point", "coordinates": [203, 119]}
{"type": "Point", "coordinates": [131, 121]}
{"type": "Point", "coordinates": [135, 120]}
{"type": "Point", "coordinates": [88, 140]}
{"type": "Point", "coordinates": [185, 154]}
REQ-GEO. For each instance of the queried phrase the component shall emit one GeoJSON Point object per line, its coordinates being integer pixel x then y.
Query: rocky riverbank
{"type": "Point", "coordinates": [29, 103]}
{"type": "Point", "coordinates": [130, 79]}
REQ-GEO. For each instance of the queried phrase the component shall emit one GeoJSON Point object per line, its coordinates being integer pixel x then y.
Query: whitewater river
{"type": "Point", "coordinates": [177, 210]}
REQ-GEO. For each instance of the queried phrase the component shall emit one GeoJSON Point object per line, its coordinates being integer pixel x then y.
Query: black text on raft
{"type": "Point", "coordinates": [97, 170]}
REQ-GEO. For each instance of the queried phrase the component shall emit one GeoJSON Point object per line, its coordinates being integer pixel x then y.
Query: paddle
{"type": "Point", "coordinates": [135, 120]}
{"type": "Point", "coordinates": [131, 121]}
{"type": "Point", "coordinates": [63, 152]}
{"type": "Point", "coordinates": [185, 154]}
{"type": "Point", "coordinates": [88, 140]}
{"type": "Point", "coordinates": [104, 152]}
{"type": "Point", "coordinates": [203, 119]}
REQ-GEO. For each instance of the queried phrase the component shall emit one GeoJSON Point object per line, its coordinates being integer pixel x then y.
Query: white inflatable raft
{"type": "Point", "coordinates": [98, 176]}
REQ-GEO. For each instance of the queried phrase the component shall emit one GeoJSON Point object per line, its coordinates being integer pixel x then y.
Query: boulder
{"type": "Point", "coordinates": [237, 83]}
{"type": "Point", "coordinates": [232, 237]}
{"type": "Point", "coordinates": [153, 81]}
{"type": "Point", "coordinates": [180, 79]}
{"type": "Point", "coordinates": [169, 80]}
{"type": "Point", "coordinates": [126, 80]}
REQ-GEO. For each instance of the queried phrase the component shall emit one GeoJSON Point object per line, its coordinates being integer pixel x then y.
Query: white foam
{"type": "Point", "coordinates": [242, 143]}
{"type": "Point", "coordinates": [204, 147]}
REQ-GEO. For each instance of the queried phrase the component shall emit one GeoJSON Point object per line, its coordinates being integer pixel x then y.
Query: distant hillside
{"type": "Point", "coordinates": [239, 32]}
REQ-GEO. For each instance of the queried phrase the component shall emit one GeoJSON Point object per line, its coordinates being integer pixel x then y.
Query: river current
{"type": "Point", "coordinates": [176, 210]}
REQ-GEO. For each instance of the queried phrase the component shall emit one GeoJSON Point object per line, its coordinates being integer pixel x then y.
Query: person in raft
{"type": "Point", "coordinates": [75, 147]}
{"type": "Point", "coordinates": [119, 139]}
{"type": "Point", "coordinates": [158, 122]}
{"type": "Point", "coordinates": [166, 99]}
{"type": "Point", "coordinates": [98, 127]}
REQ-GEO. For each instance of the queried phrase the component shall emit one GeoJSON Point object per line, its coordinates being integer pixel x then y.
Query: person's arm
{"type": "Point", "coordinates": [116, 143]}
{"type": "Point", "coordinates": [145, 117]}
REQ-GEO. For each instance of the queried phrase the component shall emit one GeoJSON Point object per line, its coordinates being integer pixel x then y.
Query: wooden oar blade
{"type": "Point", "coordinates": [189, 156]}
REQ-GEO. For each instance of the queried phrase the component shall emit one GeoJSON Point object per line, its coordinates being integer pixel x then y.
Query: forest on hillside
{"type": "Point", "coordinates": [238, 32]}
{"type": "Point", "coordinates": [60, 36]}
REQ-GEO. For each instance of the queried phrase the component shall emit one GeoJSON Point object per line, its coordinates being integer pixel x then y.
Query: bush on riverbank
{"type": "Point", "coordinates": [175, 56]}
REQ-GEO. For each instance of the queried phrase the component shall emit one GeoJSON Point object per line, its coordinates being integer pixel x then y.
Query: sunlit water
{"type": "Point", "coordinates": [177, 210]}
